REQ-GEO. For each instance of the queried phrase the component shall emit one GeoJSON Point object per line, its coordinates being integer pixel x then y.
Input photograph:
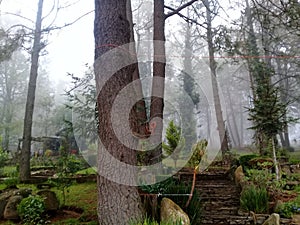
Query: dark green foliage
{"type": "Point", "coordinates": [82, 100]}
{"type": "Point", "coordinates": [9, 43]}
{"type": "Point", "coordinates": [287, 209]}
{"type": "Point", "coordinates": [3, 157]}
{"type": "Point", "coordinates": [160, 187]}
{"type": "Point", "coordinates": [255, 199]}
{"type": "Point", "coordinates": [245, 159]}
{"type": "Point", "coordinates": [31, 210]}
{"type": "Point", "coordinates": [179, 193]}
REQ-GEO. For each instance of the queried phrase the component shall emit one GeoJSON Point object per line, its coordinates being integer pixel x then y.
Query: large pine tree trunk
{"type": "Point", "coordinates": [117, 202]}
{"type": "Point", "coordinates": [25, 151]}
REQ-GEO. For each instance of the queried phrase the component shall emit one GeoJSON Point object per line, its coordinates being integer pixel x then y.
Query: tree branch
{"type": "Point", "coordinates": [185, 17]}
{"type": "Point", "coordinates": [23, 17]}
{"type": "Point", "coordinates": [67, 24]}
{"type": "Point", "coordinates": [176, 11]}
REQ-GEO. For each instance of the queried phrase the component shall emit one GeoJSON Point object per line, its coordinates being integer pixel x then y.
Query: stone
{"type": "Point", "coordinates": [50, 199]}
{"type": "Point", "coordinates": [274, 219]}
{"type": "Point", "coordinates": [239, 175]}
{"type": "Point", "coordinates": [24, 192]}
{"type": "Point", "coordinates": [278, 204]}
{"type": "Point", "coordinates": [296, 219]}
{"type": "Point", "coordinates": [3, 201]}
{"type": "Point", "coordinates": [11, 212]}
{"type": "Point", "coordinates": [171, 212]}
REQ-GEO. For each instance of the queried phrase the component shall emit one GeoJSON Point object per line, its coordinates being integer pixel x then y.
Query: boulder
{"type": "Point", "coordinates": [24, 192]}
{"type": "Point", "coordinates": [50, 199]}
{"type": "Point", "coordinates": [239, 175]}
{"type": "Point", "coordinates": [277, 205]}
{"type": "Point", "coordinates": [273, 219]}
{"type": "Point", "coordinates": [11, 212]}
{"type": "Point", "coordinates": [171, 212]}
{"type": "Point", "coordinates": [3, 201]}
{"type": "Point", "coordinates": [296, 219]}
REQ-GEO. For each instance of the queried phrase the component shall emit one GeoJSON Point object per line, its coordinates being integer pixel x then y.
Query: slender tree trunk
{"type": "Point", "coordinates": [117, 202]}
{"type": "Point", "coordinates": [275, 159]}
{"type": "Point", "coordinates": [25, 152]}
{"type": "Point", "coordinates": [213, 68]}
{"type": "Point", "coordinates": [158, 84]}
{"type": "Point", "coordinates": [234, 118]}
{"type": "Point", "coordinates": [141, 126]}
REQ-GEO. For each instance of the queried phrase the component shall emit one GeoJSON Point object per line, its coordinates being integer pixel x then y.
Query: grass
{"type": "Point", "coordinates": [9, 170]}
{"type": "Point", "coordinates": [88, 171]}
{"type": "Point", "coordinates": [83, 196]}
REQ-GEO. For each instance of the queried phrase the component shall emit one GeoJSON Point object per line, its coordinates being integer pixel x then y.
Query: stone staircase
{"type": "Point", "coordinates": [220, 197]}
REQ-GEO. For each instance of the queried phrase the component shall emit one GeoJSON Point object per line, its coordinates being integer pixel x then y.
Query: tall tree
{"type": "Point", "coordinates": [213, 70]}
{"type": "Point", "coordinates": [13, 78]}
{"type": "Point", "coordinates": [37, 47]}
{"type": "Point", "coordinates": [117, 203]}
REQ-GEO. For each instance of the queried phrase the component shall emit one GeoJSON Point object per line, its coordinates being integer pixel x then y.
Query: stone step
{"type": "Point", "coordinates": [217, 203]}
{"type": "Point", "coordinates": [227, 210]}
{"type": "Point", "coordinates": [220, 190]}
{"type": "Point", "coordinates": [225, 219]}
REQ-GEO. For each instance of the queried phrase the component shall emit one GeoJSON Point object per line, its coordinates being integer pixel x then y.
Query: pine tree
{"type": "Point", "coordinates": [175, 141]}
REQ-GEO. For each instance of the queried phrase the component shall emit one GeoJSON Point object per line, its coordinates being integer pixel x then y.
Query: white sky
{"type": "Point", "coordinates": [69, 49]}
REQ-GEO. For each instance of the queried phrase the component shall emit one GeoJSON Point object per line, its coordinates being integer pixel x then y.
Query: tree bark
{"type": "Point", "coordinates": [213, 68]}
{"type": "Point", "coordinates": [158, 85]}
{"type": "Point", "coordinates": [25, 151]}
{"type": "Point", "coordinates": [117, 203]}
{"type": "Point", "coordinates": [141, 126]}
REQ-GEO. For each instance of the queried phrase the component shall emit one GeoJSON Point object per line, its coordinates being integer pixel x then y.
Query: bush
{"type": "Point", "coordinates": [31, 210]}
{"type": "Point", "coordinates": [244, 160]}
{"type": "Point", "coordinates": [255, 199]}
{"type": "Point", "coordinates": [260, 178]}
{"type": "Point", "coordinates": [287, 209]}
{"type": "Point", "coordinates": [3, 158]}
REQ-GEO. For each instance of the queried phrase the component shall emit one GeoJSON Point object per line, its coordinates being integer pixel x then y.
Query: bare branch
{"type": "Point", "coordinates": [19, 25]}
{"type": "Point", "coordinates": [187, 19]}
{"type": "Point", "coordinates": [17, 15]}
{"type": "Point", "coordinates": [176, 11]}
{"type": "Point", "coordinates": [49, 28]}
{"type": "Point", "coordinates": [51, 10]}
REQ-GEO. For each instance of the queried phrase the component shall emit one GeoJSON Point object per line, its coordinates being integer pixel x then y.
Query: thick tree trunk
{"type": "Point", "coordinates": [213, 67]}
{"type": "Point", "coordinates": [25, 152]}
{"type": "Point", "coordinates": [117, 202]}
{"type": "Point", "coordinates": [158, 84]}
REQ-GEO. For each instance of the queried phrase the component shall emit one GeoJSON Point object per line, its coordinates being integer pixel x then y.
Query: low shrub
{"type": "Point", "coordinates": [260, 178]}
{"type": "Point", "coordinates": [31, 210]}
{"type": "Point", "coordinates": [244, 160]}
{"type": "Point", "coordinates": [255, 199]}
{"type": "Point", "coordinates": [287, 209]}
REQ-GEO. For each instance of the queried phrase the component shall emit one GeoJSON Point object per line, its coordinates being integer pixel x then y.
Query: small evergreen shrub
{"type": "Point", "coordinates": [255, 199]}
{"type": "Point", "coordinates": [31, 210]}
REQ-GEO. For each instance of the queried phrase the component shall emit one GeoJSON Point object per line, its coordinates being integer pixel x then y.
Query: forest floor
{"type": "Point", "coordinates": [80, 206]}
